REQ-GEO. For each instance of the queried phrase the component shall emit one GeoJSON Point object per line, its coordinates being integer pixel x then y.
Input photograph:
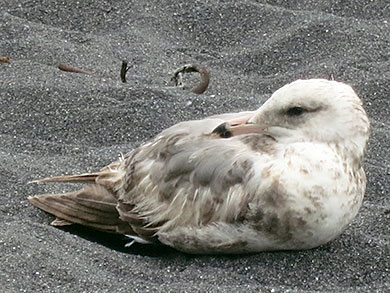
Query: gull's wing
{"type": "Point", "coordinates": [186, 176]}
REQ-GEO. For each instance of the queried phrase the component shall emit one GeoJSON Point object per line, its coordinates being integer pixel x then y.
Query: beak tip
{"type": "Point", "coordinates": [222, 130]}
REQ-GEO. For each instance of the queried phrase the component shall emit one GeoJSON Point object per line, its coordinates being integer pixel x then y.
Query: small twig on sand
{"type": "Point", "coordinates": [68, 68]}
{"type": "Point", "coordinates": [124, 70]}
{"type": "Point", "coordinates": [204, 76]}
{"type": "Point", "coordinates": [4, 59]}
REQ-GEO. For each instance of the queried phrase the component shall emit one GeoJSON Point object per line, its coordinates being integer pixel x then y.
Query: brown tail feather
{"type": "Point", "coordinates": [92, 206]}
{"type": "Point", "coordinates": [82, 178]}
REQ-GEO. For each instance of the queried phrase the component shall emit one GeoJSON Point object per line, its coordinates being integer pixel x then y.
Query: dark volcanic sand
{"type": "Point", "coordinates": [54, 122]}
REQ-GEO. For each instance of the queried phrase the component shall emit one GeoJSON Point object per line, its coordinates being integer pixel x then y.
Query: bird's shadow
{"type": "Point", "coordinates": [117, 242]}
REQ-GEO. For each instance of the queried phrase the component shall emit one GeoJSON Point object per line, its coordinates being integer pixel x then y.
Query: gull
{"type": "Point", "coordinates": [287, 176]}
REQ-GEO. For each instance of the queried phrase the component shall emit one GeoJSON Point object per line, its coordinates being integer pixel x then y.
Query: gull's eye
{"type": "Point", "coordinates": [295, 111]}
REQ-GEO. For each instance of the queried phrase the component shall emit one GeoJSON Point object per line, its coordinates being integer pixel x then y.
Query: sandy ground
{"type": "Point", "coordinates": [55, 122]}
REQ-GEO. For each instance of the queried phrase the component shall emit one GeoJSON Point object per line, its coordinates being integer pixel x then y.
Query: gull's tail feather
{"type": "Point", "coordinates": [93, 206]}
{"type": "Point", "coordinates": [81, 178]}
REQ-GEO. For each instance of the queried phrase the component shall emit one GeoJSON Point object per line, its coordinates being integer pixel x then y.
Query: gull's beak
{"type": "Point", "coordinates": [236, 127]}
{"type": "Point", "coordinates": [245, 129]}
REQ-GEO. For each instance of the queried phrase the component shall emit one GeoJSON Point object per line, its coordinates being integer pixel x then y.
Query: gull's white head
{"type": "Point", "coordinates": [316, 110]}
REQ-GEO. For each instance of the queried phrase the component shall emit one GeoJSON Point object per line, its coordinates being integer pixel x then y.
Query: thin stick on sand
{"type": "Point", "coordinates": [69, 68]}
{"type": "Point", "coordinates": [124, 70]}
{"type": "Point", "coordinates": [204, 76]}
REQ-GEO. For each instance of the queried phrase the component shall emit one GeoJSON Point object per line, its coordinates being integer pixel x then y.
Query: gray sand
{"type": "Point", "coordinates": [55, 122]}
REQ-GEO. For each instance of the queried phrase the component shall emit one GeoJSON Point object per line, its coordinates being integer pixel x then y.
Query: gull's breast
{"type": "Point", "coordinates": [307, 196]}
